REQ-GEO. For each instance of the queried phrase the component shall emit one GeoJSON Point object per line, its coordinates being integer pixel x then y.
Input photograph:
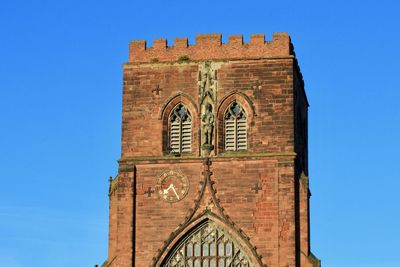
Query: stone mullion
{"type": "Point", "coordinates": [184, 254]}
{"type": "Point", "coordinates": [201, 248]}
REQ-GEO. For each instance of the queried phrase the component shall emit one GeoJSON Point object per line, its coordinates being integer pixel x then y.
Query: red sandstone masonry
{"type": "Point", "coordinates": [271, 126]}
{"type": "Point", "coordinates": [265, 79]}
{"type": "Point", "coordinates": [209, 46]}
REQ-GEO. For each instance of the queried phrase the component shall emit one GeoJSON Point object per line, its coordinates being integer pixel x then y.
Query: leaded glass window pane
{"type": "Point", "coordinates": [208, 246]}
{"type": "Point", "coordinates": [221, 251]}
{"type": "Point", "coordinates": [189, 249]}
{"type": "Point", "coordinates": [228, 249]}
{"type": "Point", "coordinates": [205, 249]}
{"type": "Point", "coordinates": [196, 250]}
{"type": "Point", "coordinates": [212, 249]}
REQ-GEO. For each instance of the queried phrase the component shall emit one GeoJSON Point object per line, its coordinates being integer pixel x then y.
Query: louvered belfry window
{"type": "Point", "coordinates": [180, 130]}
{"type": "Point", "coordinates": [235, 128]}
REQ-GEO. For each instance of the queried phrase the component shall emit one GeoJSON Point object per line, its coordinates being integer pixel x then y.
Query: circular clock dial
{"type": "Point", "coordinates": [173, 186]}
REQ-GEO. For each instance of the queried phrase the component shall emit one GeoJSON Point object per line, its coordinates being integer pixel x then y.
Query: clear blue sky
{"type": "Point", "coordinates": [60, 117]}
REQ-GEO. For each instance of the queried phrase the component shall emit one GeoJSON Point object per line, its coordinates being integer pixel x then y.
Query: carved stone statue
{"type": "Point", "coordinates": [207, 128]}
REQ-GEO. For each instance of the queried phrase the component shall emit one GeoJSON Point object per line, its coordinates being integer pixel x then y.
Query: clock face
{"type": "Point", "coordinates": [172, 186]}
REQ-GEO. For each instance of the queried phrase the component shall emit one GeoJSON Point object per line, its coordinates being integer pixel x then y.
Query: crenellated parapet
{"type": "Point", "coordinates": [210, 46]}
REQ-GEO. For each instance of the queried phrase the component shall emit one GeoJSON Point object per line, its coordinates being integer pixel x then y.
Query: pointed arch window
{"type": "Point", "coordinates": [235, 128]}
{"type": "Point", "coordinates": [208, 246]}
{"type": "Point", "coordinates": [180, 130]}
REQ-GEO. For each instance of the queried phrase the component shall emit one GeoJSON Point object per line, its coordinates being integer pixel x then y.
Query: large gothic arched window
{"type": "Point", "coordinates": [235, 128]}
{"type": "Point", "coordinates": [180, 130]}
{"type": "Point", "coordinates": [208, 246]}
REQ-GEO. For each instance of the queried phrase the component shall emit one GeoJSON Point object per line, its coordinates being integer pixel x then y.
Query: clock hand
{"type": "Point", "coordinates": [169, 187]}
{"type": "Point", "coordinates": [173, 188]}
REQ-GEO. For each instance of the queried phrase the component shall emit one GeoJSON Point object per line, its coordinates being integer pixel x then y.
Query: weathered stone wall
{"type": "Point", "coordinates": [258, 189]}
{"type": "Point", "coordinates": [263, 86]}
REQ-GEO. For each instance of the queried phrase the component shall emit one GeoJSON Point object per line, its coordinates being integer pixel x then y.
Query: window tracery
{"type": "Point", "coordinates": [208, 246]}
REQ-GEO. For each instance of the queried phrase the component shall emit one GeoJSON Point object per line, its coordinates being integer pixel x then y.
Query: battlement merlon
{"type": "Point", "coordinates": [210, 46]}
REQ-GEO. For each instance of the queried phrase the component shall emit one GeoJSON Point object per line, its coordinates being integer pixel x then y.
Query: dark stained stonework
{"type": "Point", "coordinates": [259, 196]}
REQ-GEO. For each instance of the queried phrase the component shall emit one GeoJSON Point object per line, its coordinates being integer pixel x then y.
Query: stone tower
{"type": "Point", "coordinates": [213, 170]}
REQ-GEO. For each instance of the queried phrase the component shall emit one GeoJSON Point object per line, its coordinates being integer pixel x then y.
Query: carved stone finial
{"type": "Point", "coordinates": [110, 179]}
{"type": "Point", "coordinates": [207, 163]}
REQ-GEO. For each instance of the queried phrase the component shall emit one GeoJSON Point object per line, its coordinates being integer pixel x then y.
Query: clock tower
{"type": "Point", "coordinates": [214, 164]}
